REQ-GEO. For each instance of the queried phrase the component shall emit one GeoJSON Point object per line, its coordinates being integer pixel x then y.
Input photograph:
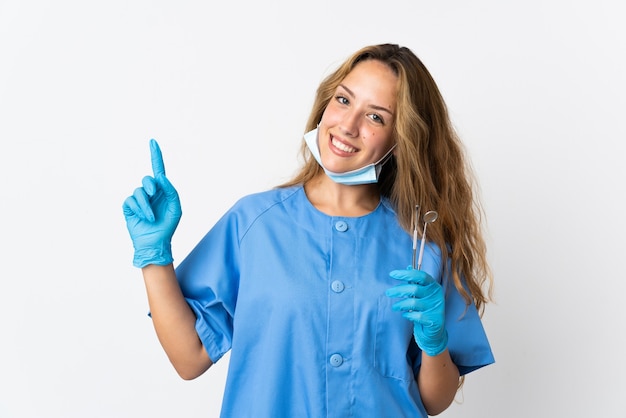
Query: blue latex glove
{"type": "Point", "coordinates": [424, 304]}
{"type": "Point", "coordinates": [152, 214]}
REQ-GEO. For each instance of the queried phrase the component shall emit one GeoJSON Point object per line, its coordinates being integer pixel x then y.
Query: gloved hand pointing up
{"type": "Point", "coordinates": [152, 214]}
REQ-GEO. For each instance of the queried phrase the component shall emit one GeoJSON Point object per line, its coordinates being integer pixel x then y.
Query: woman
{"type": "Point", "coordinates": [307, 283]}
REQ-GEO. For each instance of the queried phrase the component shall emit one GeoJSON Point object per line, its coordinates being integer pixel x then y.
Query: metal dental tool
{"type": "Point", "coordinates": [415, 221]}
{"type": "Point", "coordinates": [429, 217]}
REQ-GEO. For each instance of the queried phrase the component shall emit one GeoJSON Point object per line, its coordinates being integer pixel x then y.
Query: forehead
{"type": "Point", "coordinates": [373, 80]}
{"type": "Point", "coordinates": [373, 68]}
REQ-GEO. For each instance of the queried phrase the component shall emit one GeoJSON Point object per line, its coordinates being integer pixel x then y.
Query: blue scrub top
{"type": "Point", "coordinates": [299, 298]}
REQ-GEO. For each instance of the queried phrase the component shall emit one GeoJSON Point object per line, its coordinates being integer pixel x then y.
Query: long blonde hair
{"type": "Point", "coordinates": [429, 167]}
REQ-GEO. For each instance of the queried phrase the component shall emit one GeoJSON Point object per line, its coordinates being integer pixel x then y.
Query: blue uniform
{"type": "Point", "coordinates": [299, 298]}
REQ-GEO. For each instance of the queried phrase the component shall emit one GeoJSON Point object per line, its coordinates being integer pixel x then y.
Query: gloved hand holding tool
{"type": "Point", "coordinates": [424, 304]}
{"type": "Point", "coordinates": [152, 214]}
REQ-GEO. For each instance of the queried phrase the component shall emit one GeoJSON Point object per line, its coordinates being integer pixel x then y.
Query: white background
{"type": "Point", "coordinates": [536, 89]}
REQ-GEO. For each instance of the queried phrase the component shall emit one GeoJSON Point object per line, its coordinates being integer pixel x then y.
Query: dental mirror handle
{"type": "Point", "coordinates": [419, 260]}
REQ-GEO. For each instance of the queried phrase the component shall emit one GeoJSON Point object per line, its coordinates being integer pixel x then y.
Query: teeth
{"type": "Point", "coordinates": [342, 146]}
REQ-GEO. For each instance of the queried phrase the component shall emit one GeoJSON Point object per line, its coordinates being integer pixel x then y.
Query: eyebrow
{"type": "Point", "coordinates": [380, 108]}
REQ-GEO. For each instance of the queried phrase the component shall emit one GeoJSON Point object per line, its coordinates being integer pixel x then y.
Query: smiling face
{"type": "Point", "coordinates": [357, 125]}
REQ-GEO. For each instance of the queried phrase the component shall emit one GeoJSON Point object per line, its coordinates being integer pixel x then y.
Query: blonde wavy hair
{"type": "Point", "coordinates": [429, 167]}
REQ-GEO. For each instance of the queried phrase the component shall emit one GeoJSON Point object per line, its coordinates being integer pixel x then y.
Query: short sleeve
{"type": "Point", "coordinates": [209, 280]}
{"type": "Point", "coordinates": [467, 341]}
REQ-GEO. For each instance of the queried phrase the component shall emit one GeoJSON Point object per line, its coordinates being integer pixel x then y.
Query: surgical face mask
{"type": "Point", "coordinates": [365, 175]}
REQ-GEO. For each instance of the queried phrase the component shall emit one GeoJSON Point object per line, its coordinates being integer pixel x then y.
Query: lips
{"type": "Point", "coordinates": [342, 146]}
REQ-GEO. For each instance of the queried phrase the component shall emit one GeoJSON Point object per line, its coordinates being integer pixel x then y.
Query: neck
{"type": "Point", "coordinates": [336, 199]}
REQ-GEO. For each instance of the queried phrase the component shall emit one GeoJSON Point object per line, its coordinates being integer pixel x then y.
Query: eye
{"type": "Point", "coordinates": [377, 118]}
{"type": "Point", "coordinates": [342, 99]}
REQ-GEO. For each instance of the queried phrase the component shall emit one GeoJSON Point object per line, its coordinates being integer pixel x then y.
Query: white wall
{"type": "Point", "coordinates": [537, 90]}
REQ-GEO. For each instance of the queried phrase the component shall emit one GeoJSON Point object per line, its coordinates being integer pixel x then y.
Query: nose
{"type": "Point", "coordinates": [350, 124]}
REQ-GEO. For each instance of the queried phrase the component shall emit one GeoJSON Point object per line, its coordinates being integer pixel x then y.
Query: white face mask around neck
{"type": "Point", "coordinates": [364, 175]}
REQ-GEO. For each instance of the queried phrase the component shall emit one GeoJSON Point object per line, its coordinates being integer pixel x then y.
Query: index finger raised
{"type": "Point", "coordinates": [158, 168]}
